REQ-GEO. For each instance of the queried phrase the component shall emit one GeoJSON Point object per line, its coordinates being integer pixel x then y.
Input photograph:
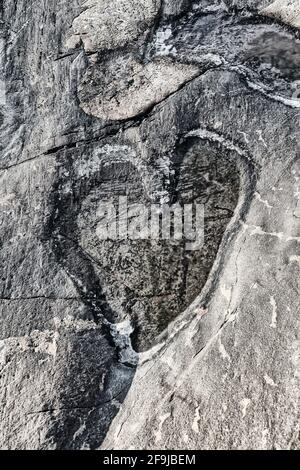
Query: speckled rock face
{"type": "Point", "coordinates": [286, 10]}
{"type": "Point", "coordinates": [135, 89]}
{"type": "Point", "coordinates": [108, 24]}
{"type": "Point", "coordinates": [142, 343]}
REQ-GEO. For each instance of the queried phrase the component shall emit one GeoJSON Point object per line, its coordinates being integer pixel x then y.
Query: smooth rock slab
{"type": "Point", "coordinates": [107, 24]}
{"type": "Point", "coordinates": [124, 87]}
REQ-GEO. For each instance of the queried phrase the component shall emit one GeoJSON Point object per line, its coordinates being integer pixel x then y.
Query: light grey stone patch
{"type": "Point", "coordinates": [286, 10]}
{"type": "Point", "coordinates": [175, 7]}
{"type": "Point", "coordinates": [246, 4]}
{"type": "Point", "coordinates": [124, 87]}
{"type": "Point", "coordinates": [107, 24]}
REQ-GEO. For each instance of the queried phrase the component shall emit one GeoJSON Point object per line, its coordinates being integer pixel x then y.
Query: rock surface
{"type": "Point", "coordinates": [286, 10]}
{"type": "Point", "coordinates": [141, 344]}
{"type": "Point", "coordinates": [108, 24]}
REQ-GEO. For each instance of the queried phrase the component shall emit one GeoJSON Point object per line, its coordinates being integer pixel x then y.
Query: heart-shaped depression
{"type": "Point", "coordinates": [149, 281]}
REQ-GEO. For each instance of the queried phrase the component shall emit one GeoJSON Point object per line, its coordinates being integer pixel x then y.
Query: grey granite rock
{"type": "Point", "coordinates": [119, 344]}
{"type": "Point", "coordinates": [286, 10]}
{"type": "Point", "coordinates": [109, 24]}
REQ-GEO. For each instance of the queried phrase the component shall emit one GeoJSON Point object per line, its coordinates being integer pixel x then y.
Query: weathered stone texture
{"type": "Point", "coordinates": [138, 344]}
